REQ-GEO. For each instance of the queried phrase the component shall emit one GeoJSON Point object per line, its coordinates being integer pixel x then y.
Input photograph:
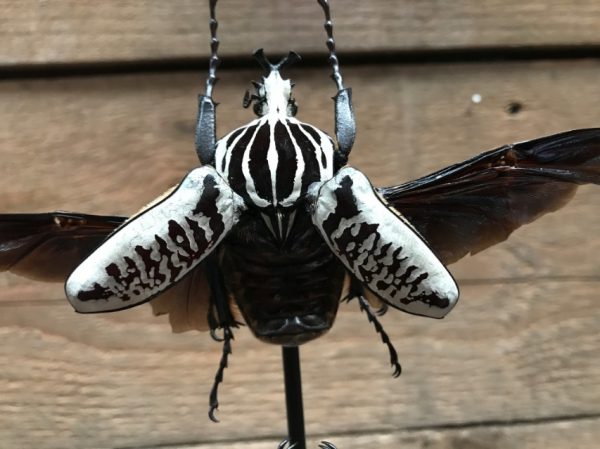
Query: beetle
{"type": "Point", "coordinates": [275, 228]}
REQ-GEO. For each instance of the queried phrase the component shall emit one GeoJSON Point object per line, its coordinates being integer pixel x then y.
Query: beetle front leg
{"type": "Point", "coordinates": [206, 125]}
{"type": "Point", "coordinates": [345, 125]}
{"type": "Point", "coordinates": [206, 130]}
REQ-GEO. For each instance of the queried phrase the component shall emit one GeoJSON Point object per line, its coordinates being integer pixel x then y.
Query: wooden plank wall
{"type": "Point", "coordinates": [517, 363]}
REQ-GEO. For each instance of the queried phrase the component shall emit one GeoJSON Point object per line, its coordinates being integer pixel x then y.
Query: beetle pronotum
{"type": "Point", "coordinates": [274, 229]}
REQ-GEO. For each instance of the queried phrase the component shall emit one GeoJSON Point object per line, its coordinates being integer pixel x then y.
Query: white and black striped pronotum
{"type": "Point", "coordinates": [275, 228]}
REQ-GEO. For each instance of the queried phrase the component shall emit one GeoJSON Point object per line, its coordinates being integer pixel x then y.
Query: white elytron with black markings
{"type": "Point", "coordinates": [274, 229]}
{"type": "Point", "coordinates": [184, 228]}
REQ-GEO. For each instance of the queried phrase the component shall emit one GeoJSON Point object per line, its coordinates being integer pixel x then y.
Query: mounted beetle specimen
{"type": "Point", "coordinates": [274, 228]}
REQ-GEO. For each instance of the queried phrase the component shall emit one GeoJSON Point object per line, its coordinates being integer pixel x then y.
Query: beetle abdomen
{"type": "Point", "coordinates": [287, 294]}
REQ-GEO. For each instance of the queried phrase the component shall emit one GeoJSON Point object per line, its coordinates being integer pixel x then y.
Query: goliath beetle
{"type": "Point", "coordinates": [274, 229]}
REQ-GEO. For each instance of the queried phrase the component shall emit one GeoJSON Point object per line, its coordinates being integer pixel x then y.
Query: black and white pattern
{"type": "Point", "coordinates": [379, 247]}
{"type": "Point", "coordinates": [158, 247]}
{"type": "Point", "coordinates": [272, 160]}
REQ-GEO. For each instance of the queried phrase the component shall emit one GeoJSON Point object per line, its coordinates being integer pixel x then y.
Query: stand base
{"type": "Point", "coordinates": [285, 444]}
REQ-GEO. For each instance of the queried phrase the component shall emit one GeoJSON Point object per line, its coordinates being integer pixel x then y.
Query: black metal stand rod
{"type": "Point", "coordinates": [293, 396]}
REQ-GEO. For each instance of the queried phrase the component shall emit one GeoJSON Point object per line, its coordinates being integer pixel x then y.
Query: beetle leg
{"type": "Point", "coordinates": [220, 317]}
{"type": "Point", "coordinates": [206, 130]}
{"type": "Point", "coordinates": [385, 339]}
{"type": "Point", "coordinates": [213, 401]}
{"type": "Point", "coordinates": [382, 310]}
{"type": "Point", "coordinates": [206, 124]}
{"type": "Point", "coordinates": [357, 290]}
{"type": "Point", "coordinates": [345, 125]}
{"type": "Point", "coordinates": [220, 314]}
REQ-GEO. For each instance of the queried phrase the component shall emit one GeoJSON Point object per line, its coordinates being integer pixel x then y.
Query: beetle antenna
{"type": "Point", "coordinates": [214, 47]}
{"type": "Point", "coordinates": [333, 59]}
{"type": "Point", "coordinates": [214, 392]}
{"type": "Point", "coordinates": [364, 306]}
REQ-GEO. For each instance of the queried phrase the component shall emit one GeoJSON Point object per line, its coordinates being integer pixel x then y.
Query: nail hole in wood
{"type": "Point", "coordinates": [514, 107]}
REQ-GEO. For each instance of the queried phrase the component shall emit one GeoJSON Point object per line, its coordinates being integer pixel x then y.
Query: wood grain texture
{"type": "Point", "coordinates": [76, 31]}
{"type": "Point", "coordinates": [580, 434]}
{"type": "Point", "coordinates": [110, 145]}
{"type": "Point", "coordinates": [120, 380]}
{"type": "Point", "coordinates": [522, 344]}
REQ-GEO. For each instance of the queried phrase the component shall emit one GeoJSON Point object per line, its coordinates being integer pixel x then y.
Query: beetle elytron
{"type": "Point", "coordinates": [274, 228]}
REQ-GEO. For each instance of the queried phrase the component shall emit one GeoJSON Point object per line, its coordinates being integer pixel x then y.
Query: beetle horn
{"type": "Point", "coordinates": [262, 60]}
{"type": "Point", "coordinates": [291, 58]}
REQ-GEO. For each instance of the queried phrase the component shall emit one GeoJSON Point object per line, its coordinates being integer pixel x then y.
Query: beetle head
{"type": "Point", "coordinates": [273, 94]}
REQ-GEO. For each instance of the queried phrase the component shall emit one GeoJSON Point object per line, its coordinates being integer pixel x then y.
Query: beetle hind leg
{"type": "Point", "coordinates": [214, 392]}
{"type": "Point", "coordinates": [357, 290]}
{"type": "Point", "coordinates": [219, 317]}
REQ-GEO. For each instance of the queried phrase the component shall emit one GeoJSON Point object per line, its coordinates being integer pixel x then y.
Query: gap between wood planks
{"type": "Point", "coordinates": [407, 432]}
{"type": "Point", "coordinates": [236, 62]}
{"type": "Point", "coordinates": [507, 423]}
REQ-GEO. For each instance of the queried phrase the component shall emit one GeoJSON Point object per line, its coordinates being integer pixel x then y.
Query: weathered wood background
{"type": "Point", "coordinates": [516, 365]}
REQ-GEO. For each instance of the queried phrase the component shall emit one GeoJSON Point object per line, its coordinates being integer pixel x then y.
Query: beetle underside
{"type": "Point", "coordinates": [288, 293]}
